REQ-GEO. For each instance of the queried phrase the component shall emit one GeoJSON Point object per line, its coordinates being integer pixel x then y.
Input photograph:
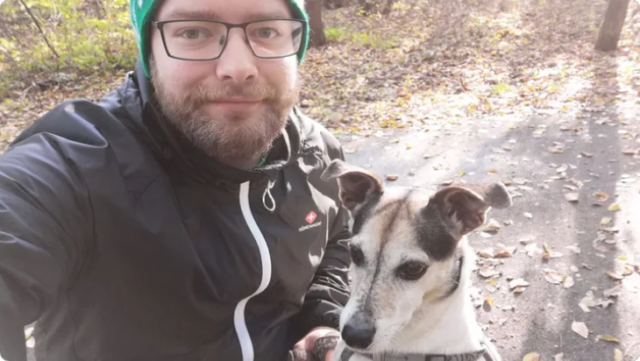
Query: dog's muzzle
{"type": "Point", "coordinates": [359, 331]}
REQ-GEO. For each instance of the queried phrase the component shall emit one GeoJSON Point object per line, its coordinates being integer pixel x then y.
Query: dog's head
{"type": "Point", "coordinates": [404, 249]}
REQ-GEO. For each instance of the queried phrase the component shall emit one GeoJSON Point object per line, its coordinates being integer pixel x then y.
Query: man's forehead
{"type": "Point", "coordinates": [223, 10]}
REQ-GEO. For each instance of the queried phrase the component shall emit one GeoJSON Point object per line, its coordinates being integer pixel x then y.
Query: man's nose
{"type": "Point", "coordinates": [359, 331]}
{"type": "Point", "coordinates": [237, 63]}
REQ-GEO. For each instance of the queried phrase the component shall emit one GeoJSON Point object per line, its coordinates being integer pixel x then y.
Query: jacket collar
{"type": "Point", "coordinates": [177, 152]}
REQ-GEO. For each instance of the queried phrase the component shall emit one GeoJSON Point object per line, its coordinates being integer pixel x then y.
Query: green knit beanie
{"type": "Point", "coordinates": [142, 10]}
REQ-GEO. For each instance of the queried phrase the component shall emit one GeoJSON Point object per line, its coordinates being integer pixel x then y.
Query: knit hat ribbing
{"type": "Point", "coordinates": [142, 10]}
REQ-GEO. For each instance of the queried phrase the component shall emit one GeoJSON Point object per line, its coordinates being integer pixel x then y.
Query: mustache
{"type": "Point", "coordinates": [205, 94]}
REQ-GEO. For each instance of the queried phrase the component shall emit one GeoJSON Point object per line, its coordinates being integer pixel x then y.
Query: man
{"type": "Point", "coordinates": [182, 217]}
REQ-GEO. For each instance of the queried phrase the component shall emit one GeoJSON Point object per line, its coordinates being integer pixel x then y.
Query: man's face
{"type": "Point", "coordinates": [232, 107]}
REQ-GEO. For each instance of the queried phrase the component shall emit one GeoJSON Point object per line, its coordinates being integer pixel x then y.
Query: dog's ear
{"type": "Point", "coordinates": [464, 206]}
{"type": "Point", "coordinates": [356, 184]}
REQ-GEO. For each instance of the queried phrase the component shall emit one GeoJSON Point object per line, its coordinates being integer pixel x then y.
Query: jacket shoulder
{"type": "Point", "coordinates": [315, 134]}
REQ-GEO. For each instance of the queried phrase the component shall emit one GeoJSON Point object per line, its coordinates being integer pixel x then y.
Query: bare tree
{"type": "Point", "coordinates": [611, 27]}
{"type": "Point", "coordinates": [314, 9]}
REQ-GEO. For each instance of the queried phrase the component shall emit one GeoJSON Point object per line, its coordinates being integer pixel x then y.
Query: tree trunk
{"type": "Point", "coordinates": [314, 9]}
{"type": "Point", "coordinates": [611, 27]}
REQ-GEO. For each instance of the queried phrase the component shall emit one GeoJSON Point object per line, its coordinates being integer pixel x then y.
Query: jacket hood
{"type": "Point", "coordinates": [175, 150]}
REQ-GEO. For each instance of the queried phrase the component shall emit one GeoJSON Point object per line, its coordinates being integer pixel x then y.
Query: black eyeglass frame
{"type": "Point", "coordinates": [160, 26]}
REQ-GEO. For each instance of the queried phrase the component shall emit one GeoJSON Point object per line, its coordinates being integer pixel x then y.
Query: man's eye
{"type": "Point", "coordinates": [412, 270]}
{"type": "Point", "coordinates": [192, 34]}
{"type": "Point", "coordinates": [357, 257]}
{"type": "Point", "coordinates": [266, 33]}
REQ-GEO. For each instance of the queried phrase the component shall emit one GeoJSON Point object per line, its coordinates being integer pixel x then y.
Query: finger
{"type": "Point", "coordinates": [329, 356]}
{"type": "Point", "coordinates": [299, 354]}
{"type": "Point", "coordinates": [323, 345]}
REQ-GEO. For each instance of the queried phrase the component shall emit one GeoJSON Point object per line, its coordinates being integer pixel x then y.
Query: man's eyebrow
{"type": "Point", "coordinates": [266, 15]}
{"type": "Point", "coordinates": [181, 14]}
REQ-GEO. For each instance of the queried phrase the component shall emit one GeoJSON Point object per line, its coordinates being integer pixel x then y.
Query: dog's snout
{"type": "Point", "coordinates": [359, 332]}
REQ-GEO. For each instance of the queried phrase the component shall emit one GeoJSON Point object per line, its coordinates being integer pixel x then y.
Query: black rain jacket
{"type": "Point", "coordinates": [125, 243]}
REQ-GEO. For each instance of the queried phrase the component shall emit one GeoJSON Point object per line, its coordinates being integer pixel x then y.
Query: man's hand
{"type": "Point", "coordinates": [309, 345]}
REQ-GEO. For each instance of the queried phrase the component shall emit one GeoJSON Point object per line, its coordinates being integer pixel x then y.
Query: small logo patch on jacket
{"type": "Point", "coordinates": [310, 218]}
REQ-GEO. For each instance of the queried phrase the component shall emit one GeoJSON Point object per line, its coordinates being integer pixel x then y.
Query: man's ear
{"type": "Point", "coordinates": [464, 206]}
{"type": "Point", "coordinates": [356, 184]}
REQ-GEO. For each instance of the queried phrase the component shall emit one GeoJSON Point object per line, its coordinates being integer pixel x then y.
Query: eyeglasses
{"type": "Point", "coordinates": [206, 40]}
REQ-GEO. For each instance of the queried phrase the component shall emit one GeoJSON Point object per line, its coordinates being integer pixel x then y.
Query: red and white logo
{"type": "Point", "coordinates": [311, 217]}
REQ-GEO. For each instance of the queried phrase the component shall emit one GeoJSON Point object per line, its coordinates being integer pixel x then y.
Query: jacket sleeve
{"type": "Point", "coordinates": [41, 216]}
{"type": "Point", "coordinates": [329, 291]}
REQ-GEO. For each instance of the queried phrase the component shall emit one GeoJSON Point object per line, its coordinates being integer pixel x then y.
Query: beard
{"type": "Point", "coordinates": [233, 138]}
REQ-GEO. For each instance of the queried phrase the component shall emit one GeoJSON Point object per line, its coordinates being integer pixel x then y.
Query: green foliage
{"type": "Point", "coordinates": [373, 40]}
{"type": "Point", "coordinates": [335, 34]}
{"type": "Point", "coordinates": [360, 38]}
{"type": "Point", "coordinates": [87, 35]}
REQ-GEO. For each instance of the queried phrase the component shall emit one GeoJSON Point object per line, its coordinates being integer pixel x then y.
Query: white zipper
{"type": "Point", "coordinates": [238, 317]}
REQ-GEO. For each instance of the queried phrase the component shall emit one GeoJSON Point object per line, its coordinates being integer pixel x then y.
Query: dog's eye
{"type": "Point", "coordinates": [357, 257]}
{"type": "Point", "coordinates": [412, 271]}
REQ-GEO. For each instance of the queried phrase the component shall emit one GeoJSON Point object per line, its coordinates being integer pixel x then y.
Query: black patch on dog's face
{"type": "Point", "coordinates": [365, 212]}
{"type": "Point", "coordinates": [433, 235]}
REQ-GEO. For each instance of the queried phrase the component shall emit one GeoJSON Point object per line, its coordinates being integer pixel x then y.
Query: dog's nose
{"type": "Point", "coordinates": [358, 335]}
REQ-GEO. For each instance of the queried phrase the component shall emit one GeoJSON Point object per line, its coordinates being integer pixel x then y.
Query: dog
{"type": "Point", "coordinates": [411, 269]}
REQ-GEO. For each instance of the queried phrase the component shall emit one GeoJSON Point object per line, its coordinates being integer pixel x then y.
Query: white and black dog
{"type": "Point", "coordinates": [411, 269]}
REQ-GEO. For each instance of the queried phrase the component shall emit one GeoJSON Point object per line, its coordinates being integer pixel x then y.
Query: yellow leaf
{"type": "Point", "coordinates": [602, 196]}
{"type": "Point", "coordinates": [461, 173]}
{"type": "Point", "coordinates": [605, 220]}
{"type": "Point", "coordinates": [617, 354]}
{"type": "Point", "coordinates": [489, 301]}
{"type": "Point", "coordinates": [622, 258]}
{"type": "Point", "coordinates": [533, 356]}
{"type": "Point", "coordinates": [493, 171]}
{"type": "Point", "coordinates": [609, 338]}
{"type": "Point", "coordinates": [392, 177]}
{"type": "Point", "coordinates": [614, 207]}
{"type": "Point", "coordinates": [409, 146]}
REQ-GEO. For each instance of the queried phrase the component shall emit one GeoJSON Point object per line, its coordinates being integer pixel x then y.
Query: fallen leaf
{"type": "Point", "coordinates": [505, 252]}
{"type": "Point", "coordinates": [461, 173]}
{"type": "Point", "coordinates": [580, 328]}
{"type": "Point", "coordinates": [617, 354]}
{"type": "Point", "coordinates": [563, 168]}
{"type": "Point", "coordinates": [572, 196]}
{"type": "Point", "coordinates": [486, 253]}
{"type": "Point", "coordinates": [552, 276]}
{"type": "Point", "coordinates": [518, 283]}
{"type": "Point", "coordinates": [488, 272]}
{"type": "Point", "coordinates": [568, 282]}
{"type": "Point", "coordinates": [558, 357]}
{"type": "Point", "coordinates": [630, 151]}
{"type": "Point", "coordinates": [586, 155]}
{"type": "Point", "coordinates": [614, 207]}
{"type": "Point", "coordinates": [614, 275]}
{"type": "Point", "coordinates": [528, 215]}
{"type": "Point", "coordinates": [392, 177]}
{"type": "Point", "coordinates": [533, 356]}
{"type": "Point", "coordinates": [605, 220]}
{"type": "Point", "coordinates": [549, 252]}
{"type": "Point", "coordinates": [608, 338]}
{"type": "Point", "coordinates": [492, 226]}
{"type": "Point", "coordinates": [487, 304]}
{"type": "Point", "coordinates": [602, 196]}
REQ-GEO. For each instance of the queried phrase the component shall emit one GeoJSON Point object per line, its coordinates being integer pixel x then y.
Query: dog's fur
{"type": "Point", "coordinates": [397, 233]}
